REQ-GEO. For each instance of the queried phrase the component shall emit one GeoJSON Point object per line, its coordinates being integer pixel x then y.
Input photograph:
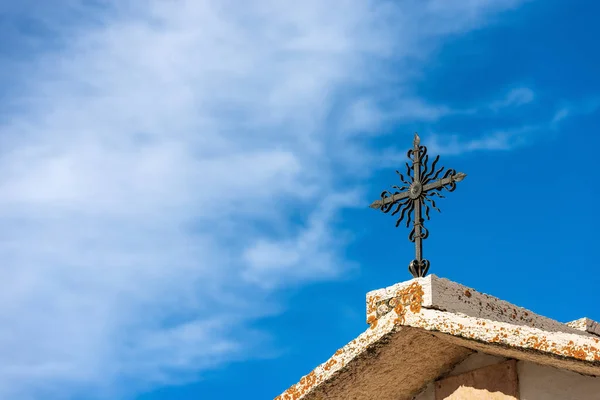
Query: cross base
{"type": "Point", "coordinates": [418, 268]}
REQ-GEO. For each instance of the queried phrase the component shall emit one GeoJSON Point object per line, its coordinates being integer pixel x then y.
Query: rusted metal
{"type": "Point", "coordinates": [417, 192]}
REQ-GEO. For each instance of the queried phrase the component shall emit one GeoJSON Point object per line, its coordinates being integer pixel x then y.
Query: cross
{"type": "Point", "coordinates": [414, 194]}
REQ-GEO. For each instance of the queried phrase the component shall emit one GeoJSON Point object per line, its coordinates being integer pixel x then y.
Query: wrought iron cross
{"type": "Point", "coordinates": [414, 194]}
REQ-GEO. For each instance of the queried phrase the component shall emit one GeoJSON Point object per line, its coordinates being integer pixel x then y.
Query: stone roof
{"type": "Point", "coordinates": [420, 329]}
{"type": "Point", "coordinates": [586, 325]}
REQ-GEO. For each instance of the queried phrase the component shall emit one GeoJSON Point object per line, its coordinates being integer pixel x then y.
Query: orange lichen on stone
{"type": "Point", "coordinates": [510, 336]}
{"type": "Point", "coordinates": [409, 298]}
{"type": "Point", "coordinates": [372, 303]}
{"type": "Point", "coordinates": [372, 320]}
{"type": "Point", "coordinates": [400, 311]}
{"type": "Point", "coordinates": [329, 364]}
{"type": "Point", "coordinates": [580, 352]}
{"type": "Point", "coordinates": [319, 374]}
{"type": "Point", "coordinates": [467, 293]}
{"type": "Point", "coordinates": [372, 308]}
{"type": "Point", "coordinates": [299, 389]}
{"type": "Point", "coordinates": [536, 343]}
{"type": "Point", "coordinates": [569, 350]}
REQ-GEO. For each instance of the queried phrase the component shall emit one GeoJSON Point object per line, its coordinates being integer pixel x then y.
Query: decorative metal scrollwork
{"type": "Point", "coordinates": [418, 189]}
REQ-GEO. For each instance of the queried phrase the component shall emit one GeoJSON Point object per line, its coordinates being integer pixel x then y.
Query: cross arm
{"type": "Point", "coordinates": [444, 181]}
{"type": "Point", "coordinates": [391, 199]}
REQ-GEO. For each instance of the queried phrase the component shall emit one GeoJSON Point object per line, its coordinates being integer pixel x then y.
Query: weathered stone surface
{"type": "Point", "coordinates": [581, 352]}
{"type": "Point", "coordinates": [421, 328]}
{"type": "Point", "coordinates": [445, 295]}
{"type": "Point", "coordinates": [392, 369]}
{"type": "Point", "coordinates": [389, 360]}
{"type": "Point", "coordinates": [586, 325]}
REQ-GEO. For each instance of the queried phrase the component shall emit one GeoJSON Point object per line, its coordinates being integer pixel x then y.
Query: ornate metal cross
{"type": "Point", "coordinates": [412, 195]}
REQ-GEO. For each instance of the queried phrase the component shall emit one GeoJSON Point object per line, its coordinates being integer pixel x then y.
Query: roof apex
{"type": "Point", "coordinates": [445, 295]}
{"type": "Point", "coordinates": [420, 329]}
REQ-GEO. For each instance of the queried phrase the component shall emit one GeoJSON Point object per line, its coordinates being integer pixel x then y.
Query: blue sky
{"type": "Point", "coordinates": [184, 187]}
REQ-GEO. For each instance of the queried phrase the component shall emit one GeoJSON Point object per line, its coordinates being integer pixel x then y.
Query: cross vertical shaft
{"type": "Point", "coordinates": [417, 202]}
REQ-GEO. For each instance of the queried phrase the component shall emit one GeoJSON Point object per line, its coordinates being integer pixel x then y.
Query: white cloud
{"type": "Point", "coordinates": [506, 139]}
{"type": "Point", "coordinates": [149, 172]}
{"type": "Point", "coordinates": [364, 116]}
{"type": "Point", "coordinates": [560, 115]}
{"type": "Point", "coordinates": [309, 255]}
{"type": "Point", "coordinates": [454, 144]}
{"type": "Point", "coordinates": [582, 107]}
{"type": "Point", "coordinates": [497, 140]}
{"type": "Point", "coordinates": [516, 97]}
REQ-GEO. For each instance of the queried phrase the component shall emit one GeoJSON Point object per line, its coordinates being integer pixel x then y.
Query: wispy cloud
{"type": "Point", "coordinates": [506, 139]}
{"type": "Point", "coordinates": [496, 140]}
{"type": "Point", "coordinates": [571, 109]}
{"type": "Point", "coordinates": [516, 97]}
{"type": "Point", "coordinates": [366, 115]}
{"type": "Point", "coordinates": [309, 255]}
{"type": "Point", "coordinates": [456, 144]}
{"type": "Point", "coordinates": [560, 115]}
{"type": "Point", "coordinates": [151, 162]}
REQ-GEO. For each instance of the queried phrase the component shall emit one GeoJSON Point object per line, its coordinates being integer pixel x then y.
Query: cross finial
{"type": "Point", "coordinates": [417, 192]}
{"type": "Point", "coordinates": [416, 140]}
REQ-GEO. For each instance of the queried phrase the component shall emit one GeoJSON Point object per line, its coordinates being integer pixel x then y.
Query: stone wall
{"type": "Point", "coordinates": [535, 382]}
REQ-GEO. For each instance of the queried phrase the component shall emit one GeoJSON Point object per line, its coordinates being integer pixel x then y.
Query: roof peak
{"type": "Point", "coordinates": [422, 327]}
{"type": "Point", "coordinates": [446, 295]}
